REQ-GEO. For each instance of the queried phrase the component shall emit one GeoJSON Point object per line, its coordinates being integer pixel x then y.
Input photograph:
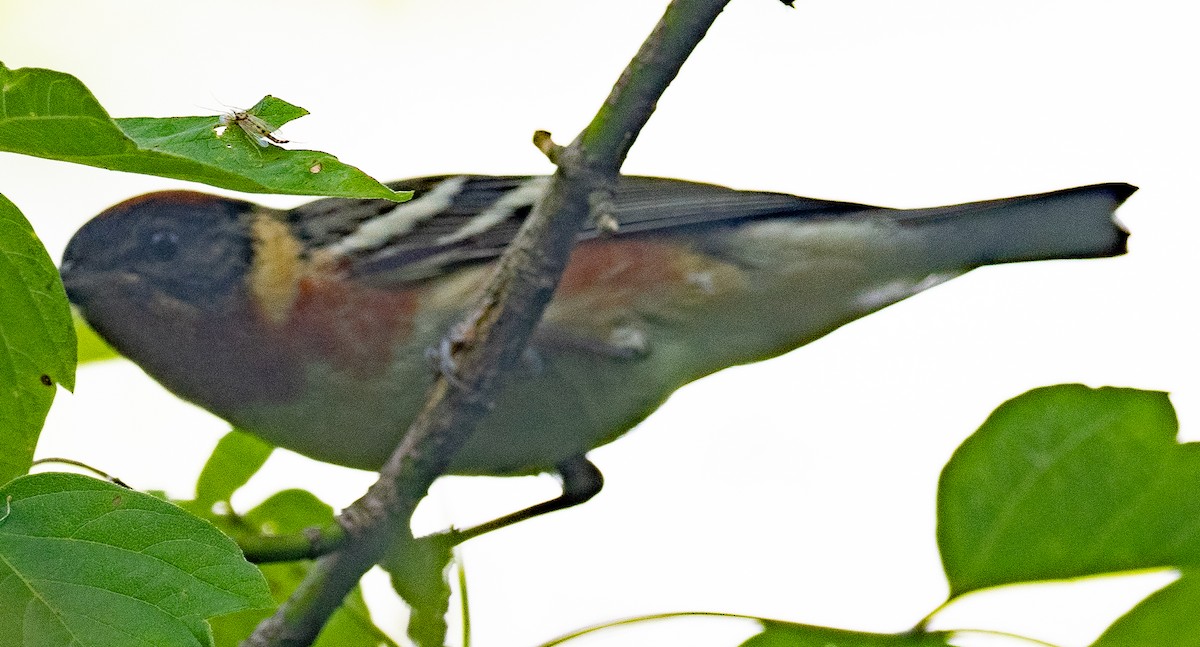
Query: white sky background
{"type": "Point", "coordinates": [800, 488]}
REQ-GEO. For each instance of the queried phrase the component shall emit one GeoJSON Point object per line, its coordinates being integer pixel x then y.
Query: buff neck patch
{"type": "Point", "coordinates": [277, 268]}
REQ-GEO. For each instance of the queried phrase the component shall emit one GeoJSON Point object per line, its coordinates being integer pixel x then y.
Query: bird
{"type": "Point", "coordinates": [312, 327]}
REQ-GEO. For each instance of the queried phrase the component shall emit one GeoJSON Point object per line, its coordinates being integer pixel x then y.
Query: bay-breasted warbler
{"type": "Point", "coordinates": [310, 327]}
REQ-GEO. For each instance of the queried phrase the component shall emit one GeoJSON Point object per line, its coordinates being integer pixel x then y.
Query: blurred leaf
{"type": "Point", "coordinates": [53, 115]}
{"type": "Point", "coordinates": [88, 563]}
{"type": "Point", "coordinates": [349, 626]}
{"type": "Point", "coordinates": [1168, 617]}
{"type": "Point", "coordinates": [236, 458]}
{"type": "Point", "coordinates": [418, 568]}
{"type": "Point", "coordinates": [287, 512]}
{"type": "Point", "coordinates": [91, 347]}
{"type": "Point", "coordinates": [37, 341]}
{"type": "Point", "coordinates": [1068, 481]}
{"type": "Point", "coordinates": [782, 634]}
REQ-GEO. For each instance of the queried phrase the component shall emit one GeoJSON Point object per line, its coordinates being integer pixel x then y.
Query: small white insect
{"type": "Point", "coordinates": [257, 129]}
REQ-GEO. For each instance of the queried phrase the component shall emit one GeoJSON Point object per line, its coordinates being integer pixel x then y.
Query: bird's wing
{"type": "Point", "coordinates": [458, 220]}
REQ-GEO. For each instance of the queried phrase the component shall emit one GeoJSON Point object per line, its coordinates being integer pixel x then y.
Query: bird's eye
{"type": "Point", "coordinates": [163, 245]}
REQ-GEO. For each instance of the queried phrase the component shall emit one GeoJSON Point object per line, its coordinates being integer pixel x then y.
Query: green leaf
{"type": "Point", "coordinates": [237, 457]}
{"type": "Point", "coordinates": [37, 341]}
{"type": "Point", "coordinates": [92, 348]}
{"type": "Point", "coordinates": [1166, 618]}
{"type": "Point", "coordinates": [53, 115]}
{"type": "Point", "coordinates": [283, 513]}
{"type": "Point", "coordinates": [783, 634]}
{"type": "Point", "coordinates": [289, 512]}
{"type": "Point", "coordinates": [1065, 482]}
{"type": "Point", "coordinates": [349, 626]}
{"type": "Point", "coordinates": [88, 563]}
{"type": "Point", "coordinates": [418, 568]}
{"type": "Point", "coordinates": [276, 112]}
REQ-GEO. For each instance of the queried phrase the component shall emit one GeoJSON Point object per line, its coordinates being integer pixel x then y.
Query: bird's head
{"type": "Point", "coordinates": [158, 254]}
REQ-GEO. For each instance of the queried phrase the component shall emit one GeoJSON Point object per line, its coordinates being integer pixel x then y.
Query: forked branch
{"type": "Point", "coordinates": [487, 344]}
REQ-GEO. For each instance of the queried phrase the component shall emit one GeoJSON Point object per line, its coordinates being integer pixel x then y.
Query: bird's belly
{"type": "Point", "coordinates": [605, 357]}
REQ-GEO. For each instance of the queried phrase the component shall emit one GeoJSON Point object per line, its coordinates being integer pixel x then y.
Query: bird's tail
{"type": "Point", "coordinates": [1071, 223]}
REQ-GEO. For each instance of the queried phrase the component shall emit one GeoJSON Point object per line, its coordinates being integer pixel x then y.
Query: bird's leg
{"type": "Point", "coordinates": [581, 480]}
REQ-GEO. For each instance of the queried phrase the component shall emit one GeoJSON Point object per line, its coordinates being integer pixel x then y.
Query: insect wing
{"type": "Point", "coordinates": [255, 128]}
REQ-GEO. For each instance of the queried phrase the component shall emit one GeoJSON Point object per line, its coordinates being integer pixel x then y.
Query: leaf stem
{"type": "Point", "coordinates": [81, 465]}
{"type": "Point", "coordinates": [1003, 634]}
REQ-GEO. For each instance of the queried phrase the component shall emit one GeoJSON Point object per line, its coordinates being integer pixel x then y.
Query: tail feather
{"type": "Point", "coordinates": [1070, 223]}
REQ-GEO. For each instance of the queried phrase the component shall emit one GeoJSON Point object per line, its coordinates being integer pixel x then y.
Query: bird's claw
{"type": "Point", "coordinates": [441, 357]}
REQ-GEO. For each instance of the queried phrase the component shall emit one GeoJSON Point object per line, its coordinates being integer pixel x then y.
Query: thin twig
{"type": "Point", "coordinates": [70, 461]}
{"type": "Point", "coordinates": [310, 543]}
{"type": "Point", "coordinates": [496, 332]}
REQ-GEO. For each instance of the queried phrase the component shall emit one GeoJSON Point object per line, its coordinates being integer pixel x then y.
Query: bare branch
{"type": "Point", "coordinates": [492, 338]}
{"type": "Point", "coordinates": [545, 143]}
